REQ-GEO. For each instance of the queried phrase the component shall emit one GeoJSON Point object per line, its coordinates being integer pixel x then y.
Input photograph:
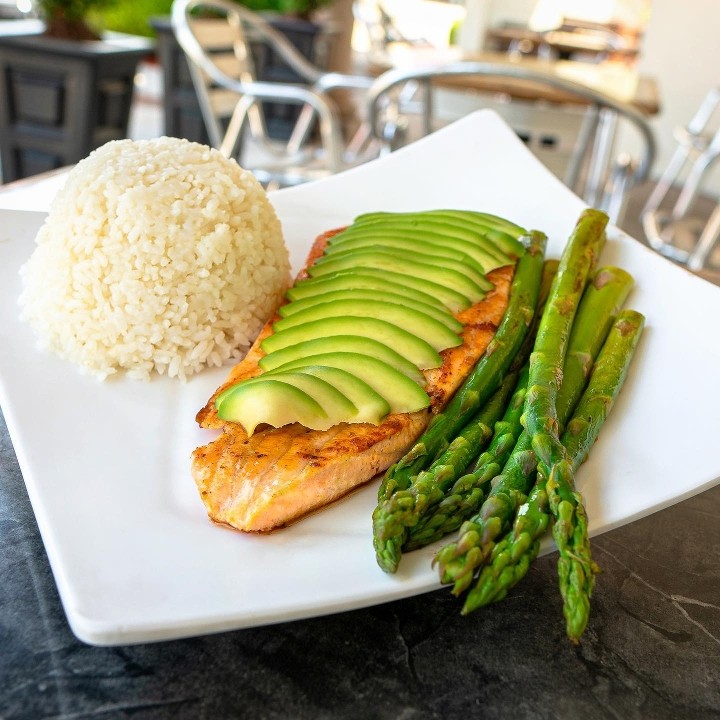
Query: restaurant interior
{"type": "Point", "coordinates": [122, 598]}
{"type": "Point", "coordinates": [591, 88]}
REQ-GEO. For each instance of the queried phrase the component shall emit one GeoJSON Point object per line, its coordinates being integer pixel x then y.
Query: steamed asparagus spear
{"type": "Point", "coordinates": [512, 556]}
{"type": "Point", "coordinates": [575, 566]}
{"type": "Point", "coordinates": [576, 571]}
{"type": "Point", "coordinates": [600, 304]}
{"type": "Point", "coordinates": [485, 378]}
{"type": "Point", "coordinates": [467, 492]}
{"type": "Point", "coordinates": [458, 561]}
{"type": "Point", "coordinates": [441, 518]}
{"type": "Point", "coordinates": [393, 517]}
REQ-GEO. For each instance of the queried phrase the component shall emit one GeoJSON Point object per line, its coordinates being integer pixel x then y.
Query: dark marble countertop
{"type": "Point", "coordinates": [652, 649]}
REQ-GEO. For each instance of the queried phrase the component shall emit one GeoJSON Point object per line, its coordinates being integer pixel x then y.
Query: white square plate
{"type": "Point", "coordinates": [107, 464]}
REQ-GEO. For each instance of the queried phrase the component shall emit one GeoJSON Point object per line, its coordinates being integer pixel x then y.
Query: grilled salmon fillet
{"type": "Point", "coordinates": [277, 475]}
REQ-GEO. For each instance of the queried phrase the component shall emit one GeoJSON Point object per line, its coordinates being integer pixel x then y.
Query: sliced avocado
{"type": "Point", "coordinates": [485, 260]}
{"type": "Point", "coordinates": [481, 219]}
{"type": "Point", "coordinates": [427, 227]}
{"type": "Point", "coordinates": [425, 251]}
{"type": "Point", "coordinates": [414, 321]}
{"type": "Point", "coordinates": [402, 394]}
{"type": "Point", "coordinates": [478, 241]}
{"type": "Point", "coordinates": [373, 278]}
{"type": "Point", "coordinates": [371, 406]}
{"type": "Point", "coordinates": [403, 265]}
{"type": "Point", "coordinates": [417, 351]}
{"type": "Point", "coordinates": [348, 282]}
{"type": "Point", "coordinates": [484, 251]}
{"type": "Point", "coordinates": [470, 225]}
{"type": "Point", "coordinates": [271, 402]}
{"type": "Point", "coordinates": [343, 343]}
{"type": "Point", "coordinates": [459, 218]}
{"type": "Point", "coordinates": [336, 406]}
{"type": "Point", "coordinates": [441, 314]}
{"type": "Point", "coordinates": [507, 242]}
{"type": "Point", "coordinates": [465, 265]}
{"type": "Point", "coordinates": [227, 391]}
{"type": "Point", "coordinates": [503, 233]}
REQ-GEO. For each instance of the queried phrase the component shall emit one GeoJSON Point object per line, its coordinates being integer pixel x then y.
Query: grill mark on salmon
{"type": "Point", "coordinates": [278, 475]}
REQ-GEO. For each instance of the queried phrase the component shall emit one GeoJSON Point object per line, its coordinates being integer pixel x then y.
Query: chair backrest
{"type": "Point", "coordinates": [218, 37]}
{"type": "Point", "coordinates": [589, 170]}
{"type": "Point", "coordinates": [665, 222]}
{"type": "Point", "coordinates": [210, 46]}
{"type": "Point", "coordinates": [220, 55]}
{"type": "Point", "coordinates": [245, 26]}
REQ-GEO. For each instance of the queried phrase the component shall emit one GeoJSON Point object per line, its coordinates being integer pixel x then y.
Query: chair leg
{"type": "Point", "coordinates": [691, 142]}
{"type": "Point", "coordinates": [302, 130]}
{"type": "Point", "coordinates": [230, 141]}
{"type": "Point", "coordinates": [362, 144]}
{"type": "Point", "coordinates": [616, 194]}
{"type": "Point", "coordinates": [655, 228]}
{"type": "Point", "coordinates": [695, 177]}
{"type": "Point", "coordinates": [707, 241]}
{"type": "Point", "coordinates": [666, 181]}
{"type": "Point", "coordinates": [578, 158]}
{"type": "Point", "coordinates": [427, 107]}
{"type": "Point", "coordinates": [600, 158]}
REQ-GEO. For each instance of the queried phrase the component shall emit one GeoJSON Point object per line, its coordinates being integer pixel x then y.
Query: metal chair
{"type": "Point", "coordinates": [602, 181]}
{"type": "Point", "coordinates": [697, 151]}
{"type": "Point", "coordinates": [221, 58]}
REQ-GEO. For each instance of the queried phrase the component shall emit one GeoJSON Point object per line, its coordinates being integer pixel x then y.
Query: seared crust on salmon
{"type": "Point", "coordinates": [277, 475]}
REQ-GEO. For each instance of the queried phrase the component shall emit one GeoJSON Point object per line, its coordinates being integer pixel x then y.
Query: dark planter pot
{"type": "Point", "coordinates": [182, 112]}
{"type": "Point", "coordinates": [60, 100]}
{"type": "Point", "coordinates": [182, 117]}
{"type": "Point", "coordinates": [280, 118]}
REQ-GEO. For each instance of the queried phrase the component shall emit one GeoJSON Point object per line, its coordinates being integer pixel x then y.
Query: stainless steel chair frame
{"type": "Point", "coordinates": [698, 149]}
{"type": "Point", "coordinates": [313, 97]}
{"type": "Point", "coordinates": [588, 169]}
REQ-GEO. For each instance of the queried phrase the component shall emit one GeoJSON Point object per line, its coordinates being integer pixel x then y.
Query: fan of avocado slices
{"type": "Point", "coordinates": [377, 308]}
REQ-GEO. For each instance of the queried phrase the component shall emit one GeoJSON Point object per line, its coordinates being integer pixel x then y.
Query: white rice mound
{"type": "Point", "coordinates": [157, 255]}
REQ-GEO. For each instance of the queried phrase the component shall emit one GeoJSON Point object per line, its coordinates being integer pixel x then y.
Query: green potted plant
{"type": "Point", "coordinates": [133, 18]}
{"type": "Point", "coordinates": [303, 9]}
{"type": "Point", "coordinates": [69, 19]}
{"type": "Point", "coordinates": [65, 87]}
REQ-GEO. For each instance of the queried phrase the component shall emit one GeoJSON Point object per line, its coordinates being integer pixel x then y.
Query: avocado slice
{"type": "Point", "coordinates": [441, 314]}
{"type": "Point", "coordinates": [503, 233]}
{"type": "Point", "coordinates": [273, 402]}
{"type": "Point", "coordinates": [373, 278]}
{"type": "Point", "coordinates": [474, 226]}
{"type": "Point", "coordinates": [348, 282]}
{"type": "Point", "coordinates": [336, 407]}
{"type": "Point", "coordinates": [479, 219]}
{"type": "Point", "coordinates": [418, 323]}
{"type": "Point", "coordinates": [484, 260]}
{"type": "Point", "coordinates": [343, 343]}
{"type": "Point", "coordinates": [458, 218]}
{"type": "Point", "coordinates": [405, 266]}
{"type": "Point", "coordinates": [371, 406]}
{"type": "Point", "coordinates": [465, 265]}
{"type": "Point", "coordinates": [466, 227]}
{"type": "Point", "coordinates": [417, 351]}
{"type": "Point", "coordinates": [401, 393]}
{"type": "Point", "coordinates": [428, 226]}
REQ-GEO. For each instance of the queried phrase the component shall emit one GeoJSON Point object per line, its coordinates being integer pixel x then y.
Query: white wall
{"type": "Point", "coordinates": [518, 11]}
